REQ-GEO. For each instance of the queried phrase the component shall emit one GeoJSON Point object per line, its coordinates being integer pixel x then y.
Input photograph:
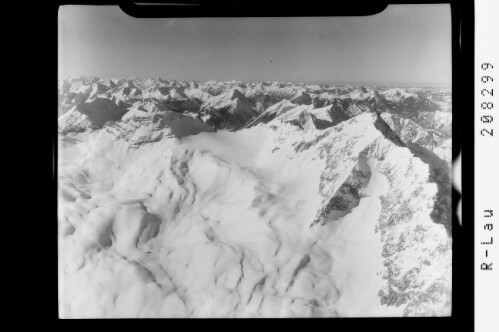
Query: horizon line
{"type": "Point", "coordinates": [309, 82]}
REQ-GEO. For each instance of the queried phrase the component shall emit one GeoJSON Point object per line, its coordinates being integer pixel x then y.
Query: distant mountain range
{"type": "Point", "coordinates": [253, 199]}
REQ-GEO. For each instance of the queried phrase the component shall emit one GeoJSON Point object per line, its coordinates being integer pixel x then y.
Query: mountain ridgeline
{"type": "Point", "coordinates": [237, 199]}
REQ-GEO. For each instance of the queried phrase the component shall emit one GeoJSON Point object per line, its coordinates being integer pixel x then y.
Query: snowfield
{"type": "Point", "coordinates": [186, 199]}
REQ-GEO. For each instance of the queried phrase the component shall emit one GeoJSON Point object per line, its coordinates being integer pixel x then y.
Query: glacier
{"type": "Point", "coordinates": [261, 199]}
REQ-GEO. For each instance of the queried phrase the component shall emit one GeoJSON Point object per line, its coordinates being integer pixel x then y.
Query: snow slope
{"type": "Point", "coordinates": [272, 220]}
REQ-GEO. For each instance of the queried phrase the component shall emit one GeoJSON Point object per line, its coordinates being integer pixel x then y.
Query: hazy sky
{"type": "Point", "coordinates": [405, 44]}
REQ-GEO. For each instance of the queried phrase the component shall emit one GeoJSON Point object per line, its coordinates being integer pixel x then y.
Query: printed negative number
{"type": "Point", "coordinates": [487, 65]}
{"type": "Point", "coordinates": [487, 118]}
{"type": "Point", "coordinates": [487, 78]}
{"type": "Point", "coordinates": [490, 92]}
{"type": "Point", "coordinates": [489, 132]}
{"type": "Point", "coordinates": [487, 105]}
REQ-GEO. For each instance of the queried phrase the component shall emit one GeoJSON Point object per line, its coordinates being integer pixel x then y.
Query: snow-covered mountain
{"type": "Point", "coordinates": [240, 199]}
{"type": "Point", "coordinates": [228, 110]}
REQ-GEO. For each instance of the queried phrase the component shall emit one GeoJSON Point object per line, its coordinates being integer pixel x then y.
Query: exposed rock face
{"type": "Point", "coordinates": [228, 110]}
{"type": "Point", "coordinates": [93, 114]}
{"type": "Point", "coordinates": [421, 143]}
{"type": "Point", "coordinates": [409, 131]}
{"type": "Point", "coordinates": [138, 128]}
{"type": "Point", "coordinates": [302, 98]}
{"type": "Point", "coordinates": [329, 202]}
{"type": "Point", "coordinates": [272, 112]}
{"type": "Point", "coordinates": [348, 195]}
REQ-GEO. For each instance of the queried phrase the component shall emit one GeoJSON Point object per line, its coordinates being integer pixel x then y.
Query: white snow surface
{"type": "Point", "coordinates": [231, 224]}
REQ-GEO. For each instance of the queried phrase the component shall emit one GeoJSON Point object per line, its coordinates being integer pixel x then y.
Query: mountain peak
{"type": "Point", "coordinates": [182, 196]}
